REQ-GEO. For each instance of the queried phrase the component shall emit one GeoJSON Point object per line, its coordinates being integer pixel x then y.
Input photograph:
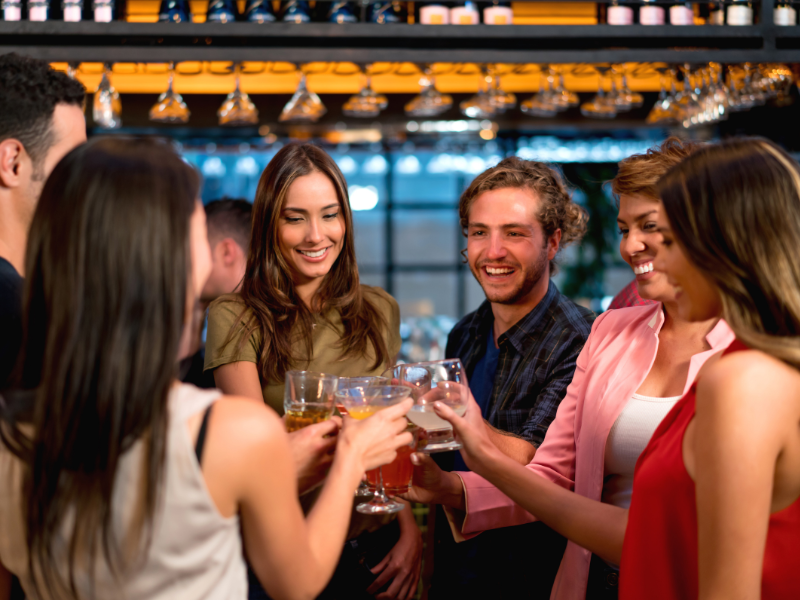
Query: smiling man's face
{"type": "Point", "coordinates": [507, 248]}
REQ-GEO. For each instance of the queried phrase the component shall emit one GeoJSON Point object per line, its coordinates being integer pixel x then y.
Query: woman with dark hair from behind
{"type": "Point", "coordinates": [107, 490]}
{"type": "Point", "coordinates": [301, 306]}
{"type": "Point", "coordinates": [716, 495]}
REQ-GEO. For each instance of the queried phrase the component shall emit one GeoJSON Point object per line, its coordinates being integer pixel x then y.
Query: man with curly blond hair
{"type": "Point", "coordinates": [519, 350]}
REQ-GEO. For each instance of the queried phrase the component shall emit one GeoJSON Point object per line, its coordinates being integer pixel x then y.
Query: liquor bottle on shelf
{"type": "Point", "coordinates": [498, 13]}
{"type": "Point", "coordinates": [103, 11]}
{"type": "Point", "coordinates": [12, 10]}
{"type": "Point", "coordinates": [785, 15]}
{"type": "Point", "coordinates": [619, 14]}
{"type": "Point", "coordinates": [681, 14]}
{"type": "Point", "coordinates": [716, 13]}
{"type": "Point", "coordinates": [295, 11]}
{"type": "Point", "coordinates": [174, 11]}
{"type": "Point", "coordinates": [38, 10]}
{"type": "Point", "coordinates": [740, 12]}
{"type": "Point", "coordinates": [387, 12]}
{"type": "Point", "coordinates": [259, 11]}
{"type": "Point", "coordinates": [221, 11]}
{"type": "Point", "coordinates": [337, 12]}
{"type": "Point", "coordinates": [465, 13]}
{"type": "Point", "coordinates": [650, 13]}
{"type": "Point", "coordinates": [72, 10]}
{"type": "Point", "coordinates": [434, 13]}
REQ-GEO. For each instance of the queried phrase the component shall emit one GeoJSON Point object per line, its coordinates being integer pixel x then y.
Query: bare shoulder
{"type": "Point", "coordinates": [749, 378]}
{"type": "Point", "coordinates": [245, 423]}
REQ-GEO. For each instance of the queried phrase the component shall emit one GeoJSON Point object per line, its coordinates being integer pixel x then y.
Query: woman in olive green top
{"type": "Point", "coordinates": [301, 307]}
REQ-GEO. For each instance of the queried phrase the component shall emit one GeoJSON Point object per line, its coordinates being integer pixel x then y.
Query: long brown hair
{"type": "Point", "coordinates": [735, 209]}
{"type": "Point", "coordinates": [268, 289]}
{"type": "Point", "coordinates": [105, 299]}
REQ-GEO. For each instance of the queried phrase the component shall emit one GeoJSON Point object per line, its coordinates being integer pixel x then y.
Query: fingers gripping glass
{"type": "Point", "coordinates": [347, 383]}
{"type": "Point", "coordinates": [362, 403]}
{"type": "Point", "coordinates": [442, 381]}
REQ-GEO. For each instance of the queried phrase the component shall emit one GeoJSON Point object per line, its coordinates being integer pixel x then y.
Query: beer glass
{"type": "Point", "coordinates": [436, 381]}
{"type": "Point", "coordinates": [347, 383]}
{"type": "Point", "coordinates": [308, 398]}
{"type": "Point", "coordinates": [362, 403]}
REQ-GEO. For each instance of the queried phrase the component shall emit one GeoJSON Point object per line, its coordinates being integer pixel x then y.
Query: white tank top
{"type": "Point", "coordinates": [627, 439]}
{"type": "Point", "coordinates": [195, 552]}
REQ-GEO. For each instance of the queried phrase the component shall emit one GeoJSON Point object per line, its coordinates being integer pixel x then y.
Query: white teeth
{"type": "Point", "coordinates": [492, 271]}
{"type": "Point", "coordinates": [642, 269]}
{"type": "Point", "coordinates": [313, 254]}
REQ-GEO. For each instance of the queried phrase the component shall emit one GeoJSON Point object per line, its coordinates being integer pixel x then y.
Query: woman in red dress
{"type": "Point", "coordinates": [715, 510]}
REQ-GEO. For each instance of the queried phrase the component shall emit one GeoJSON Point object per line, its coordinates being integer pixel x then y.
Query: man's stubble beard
{"type": "Point", "coordinates": [531, 277]}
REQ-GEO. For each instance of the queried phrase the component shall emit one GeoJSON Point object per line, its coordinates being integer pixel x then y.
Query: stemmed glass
{"type": "Point", "coordinates": [480, 106]}
{"type": "Point", "coordinates": [436, 381]}
{"type": "Point", "coordinates": [600, 107]}
{"type": "Point", "coordinates": [367, 103]}
{"type": "Point", "coordinates": [429, 102]}
{"type": "Point", "coordinates": [571, 99]}
{"type": "Point", "coordinates": [170, 107]}
{"type": "Point", "coordinates": [304, 106]}
{"type": "Point", "coordinates": [237, 109]}
{"type": "Point", "coordinates": [107, 107]}
{"type": "Point", "coordinates": [361, 403]}
{"type": "Point", "coordinates": [634, 99]}
{"type": "Point", "coordinates": [666, 110]}
{"type": "Point", "coordinates": [349, 383]}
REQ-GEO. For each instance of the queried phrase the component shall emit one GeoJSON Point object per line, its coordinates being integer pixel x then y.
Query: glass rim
{"type": "Point", "coordinates": [317, 374]}
{"type": "Point", "coordinates": [429, 363]}
{"type": "Point", "coordinates": [351, 392]}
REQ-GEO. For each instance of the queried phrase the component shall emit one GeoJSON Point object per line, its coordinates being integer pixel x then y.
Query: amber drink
{"type": "Point", "coordinates": [301, 415]}
{"type": "Point", "coordinates": [308, 398]}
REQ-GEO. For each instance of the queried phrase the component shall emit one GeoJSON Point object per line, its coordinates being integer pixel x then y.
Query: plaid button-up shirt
{"type": "Point", "coordinates": [536, 362]}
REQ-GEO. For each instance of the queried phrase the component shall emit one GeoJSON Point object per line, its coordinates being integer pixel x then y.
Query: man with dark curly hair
{"type": "Point", "coordinates": [41, 119]}
{"type": "Point", "coordinates": [519, 350]}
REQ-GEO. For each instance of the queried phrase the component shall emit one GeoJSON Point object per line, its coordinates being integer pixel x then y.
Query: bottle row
{"type": "Point", "coordinates": [496, 12]}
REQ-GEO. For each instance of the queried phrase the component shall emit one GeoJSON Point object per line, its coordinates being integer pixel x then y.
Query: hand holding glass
{"type": "Point", "coordinates": [308, 398]}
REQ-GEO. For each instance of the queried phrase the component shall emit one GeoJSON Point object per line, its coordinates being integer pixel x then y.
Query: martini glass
{"type": "Point", "coordinates": [170, 107]}
{"type": "Point", "coordinates": [362, 403]}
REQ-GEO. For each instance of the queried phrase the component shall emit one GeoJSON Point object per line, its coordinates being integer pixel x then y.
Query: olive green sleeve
{"type": "Point", "coordinates": [222, 316]}
{"type": "Point", "coordinates": [391, 311]}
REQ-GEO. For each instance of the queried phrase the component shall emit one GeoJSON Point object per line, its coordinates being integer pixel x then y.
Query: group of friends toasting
{"type": "Point", "coordinates": [652, 451]}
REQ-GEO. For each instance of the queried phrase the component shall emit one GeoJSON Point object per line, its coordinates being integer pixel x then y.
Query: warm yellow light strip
{"type": "Point", "coordinates": [338, 78]}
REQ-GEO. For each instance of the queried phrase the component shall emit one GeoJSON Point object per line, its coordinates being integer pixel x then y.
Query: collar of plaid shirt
{"type": "Point", "coordinates": [536, 363]}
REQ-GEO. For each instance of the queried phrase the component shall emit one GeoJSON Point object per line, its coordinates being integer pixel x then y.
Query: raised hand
{"type": "Point", "coordinates": [377, 438]}
{"type": "Point", "coordinates": [312, 448]}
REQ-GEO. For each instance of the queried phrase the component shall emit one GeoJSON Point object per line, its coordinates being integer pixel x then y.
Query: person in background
{"type": "Point", "coordinates": [118, 481]}
{"type": "Point", "coordinates": [228, 223]}
{"type": "Point", "coordinates": [716, 495]}
{"type": "Point", "coordinates": [630, 373]}
{"type": "Point", "coordinates": [519, 350]}
{"type": "Point", "coordinates": [638, 176]}
{"type": "Point", "coordinates": [41, 119]}
{"type": "Point", "coordinates": [301, 306]}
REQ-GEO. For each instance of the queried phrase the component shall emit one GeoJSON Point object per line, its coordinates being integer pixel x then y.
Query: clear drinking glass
{"type": "Point", "coordinates": [436, 381]}
{"type": "Point", "coordinates": [170, 107]}
{"type": "Point", "coordinates": [361, 403]}
{"type": "Point", "coordinates": [303, 106]}
{"type": "Point", "coordinates": [349, 383]}
{"type": "Point", "coordinates": [430, 102]}
{"type": "Point", "coordinates": [237, 109]}
{"type": "Point", "coordinates": [308, 398]}
{"type": "Point", "coordinates": [600, 107]}
{"type": "Point", "coordinates": [107, 107]}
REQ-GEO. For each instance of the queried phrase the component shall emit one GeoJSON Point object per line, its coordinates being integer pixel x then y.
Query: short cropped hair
{"type": "Point", "coordinates": [639, 174]}
{"type": "Point", "coordinates": [29, 93]}
{"type": "Point", "coordinates": [557, 211]}
{"type": "Point", "coordinates": [230, 217]}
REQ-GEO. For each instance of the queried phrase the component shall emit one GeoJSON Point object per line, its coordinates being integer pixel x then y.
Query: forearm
{"type": "Point", "coordinates": [405, 518]}
{"type": "Point", "coordinates": [329, 520]}
{"type": "Point", "coordinates": [593, 525]}
{"type": "Point", "coordinates": [514, 447]}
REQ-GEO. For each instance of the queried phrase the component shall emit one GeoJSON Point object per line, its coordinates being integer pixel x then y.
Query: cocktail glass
{"type": "Point", "coordinates": [362, 403]}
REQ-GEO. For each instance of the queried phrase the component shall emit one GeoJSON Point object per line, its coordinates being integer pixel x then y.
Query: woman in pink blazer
{"type": "Point", "coordinates": [635, 365]}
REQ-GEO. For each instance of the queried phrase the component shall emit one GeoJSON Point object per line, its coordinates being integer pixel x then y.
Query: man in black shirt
{"type": "Point", "coordinates": [41, 119]}
{"type": "Point", "coordinates": [519, 350]}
